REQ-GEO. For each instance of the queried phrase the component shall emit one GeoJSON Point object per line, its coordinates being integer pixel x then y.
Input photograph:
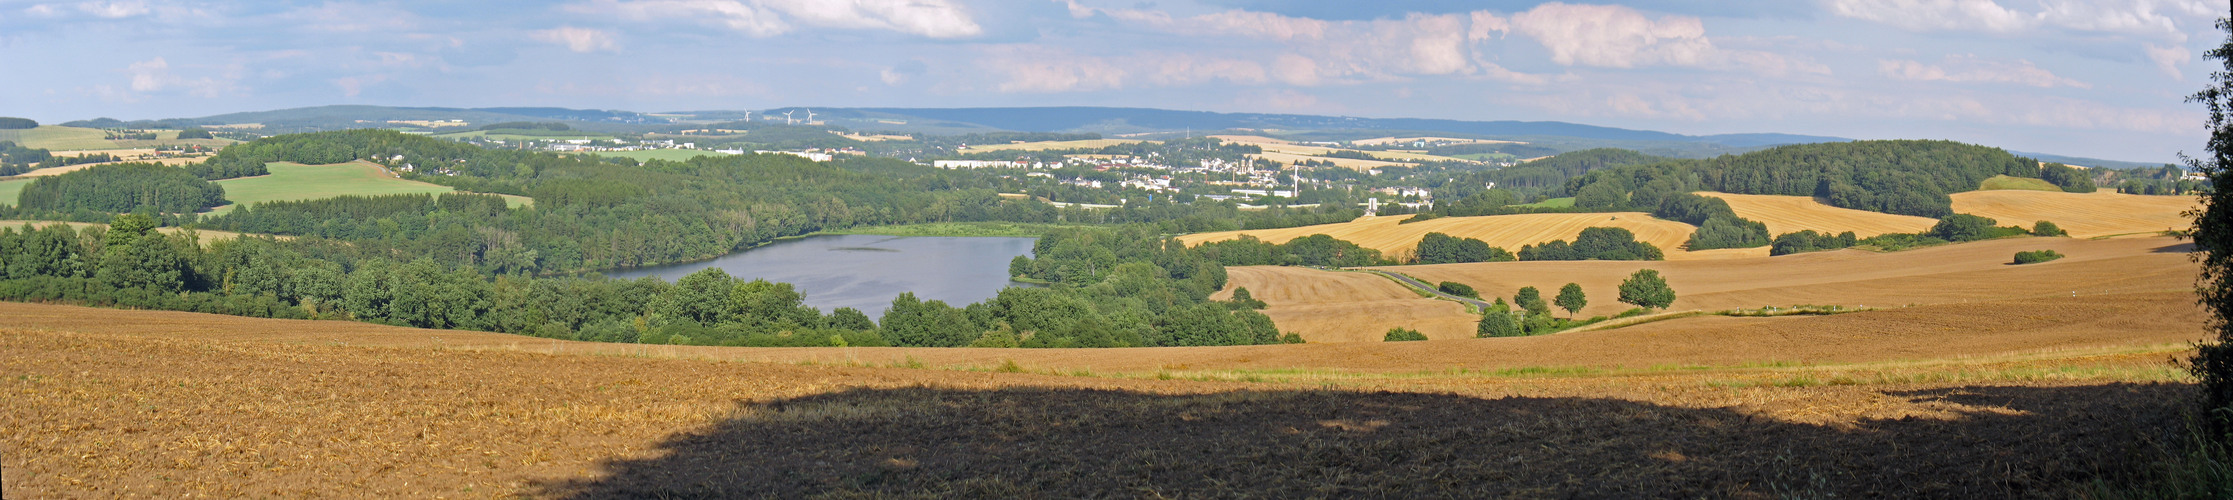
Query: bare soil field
{"type": "Point", "coordinates": [2086, 215]}
{"type": "Point", "coordinates": [1790, 214]}
{"type": "Point", "coordinates": [1391, 237]}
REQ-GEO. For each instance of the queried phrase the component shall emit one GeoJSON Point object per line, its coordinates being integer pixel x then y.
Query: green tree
{"type": "Point", "coordinates": [1458, 289]}
{"type": "Point", "coordinates": [1400, 334]}
{"type": "Point", "coordinates": [1646, 289]}
{"type": "Point", "coordinates": [2213, 240]}
{"type": "Point", "coordinates": [1963, 227]}
{"type": "Point", "coordinates": [1498, 323]}
{"type": "Point", "coordinates": [2044, 228]}
{"type": "Point", "coordinates": [1571, 299]}
{"type": "Point", "coordinates": [1531, 300]}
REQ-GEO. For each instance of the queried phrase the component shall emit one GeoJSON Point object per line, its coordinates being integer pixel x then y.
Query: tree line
{"type": "Point", "coordinates": [1155, 294]}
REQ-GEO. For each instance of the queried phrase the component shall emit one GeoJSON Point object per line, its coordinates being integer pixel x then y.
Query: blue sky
{"type": "Point", "coordinates": [2079, 77]}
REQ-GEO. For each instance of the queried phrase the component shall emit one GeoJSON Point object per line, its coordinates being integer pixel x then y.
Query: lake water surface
{"type": "Point", "coordinates": [866, 271]}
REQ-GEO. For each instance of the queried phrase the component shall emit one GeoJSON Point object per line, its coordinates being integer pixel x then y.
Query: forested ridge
{"type": "Point", "coordinates": [1898, 177]}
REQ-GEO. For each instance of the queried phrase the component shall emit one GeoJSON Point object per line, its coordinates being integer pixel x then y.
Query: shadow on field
{"type": "Point", "coordinates": [2179, 248]}
{"type": "Point", "coordinates": [2003, 442]}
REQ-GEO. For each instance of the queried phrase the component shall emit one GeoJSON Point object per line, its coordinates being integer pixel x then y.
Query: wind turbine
{"type": "Point", "coordinates": [748, 116]}
{"type": "Point", "coordinates": [787, 118]}
{"type": "Point", "coordinates": [810, 116]}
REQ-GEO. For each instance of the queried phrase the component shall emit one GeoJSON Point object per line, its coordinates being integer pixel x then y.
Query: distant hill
{"type": "Point", "coordinates": [1558, 136]}
{"type": "Point", "coordinates": [2089, 162]}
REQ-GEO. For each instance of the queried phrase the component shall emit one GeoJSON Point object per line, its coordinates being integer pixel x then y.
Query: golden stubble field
{"type": "Point", "coordinates": [2087, 215]}
{"type": "Point", "coordinates": [2123, 269]}
{"type": "Point", "coordinates": [1393, 238]}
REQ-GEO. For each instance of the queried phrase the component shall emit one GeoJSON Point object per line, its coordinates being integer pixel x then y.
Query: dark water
{"type": "Point", "coordinates": [866, 271]}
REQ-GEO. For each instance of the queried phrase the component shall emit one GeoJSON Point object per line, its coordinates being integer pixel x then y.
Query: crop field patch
{"type": "Point", "coordinates": [10, 190]}
{"type": "Point", "coordinates": [1392, 238]}
{"type": "Point", "coordinates": [2001, 182]}
{"type": "Point", "coordinates": [53, 137]}
{"type": "Point", "coordinates": [2084, 215]}
{"type": "Point", "coordinates": [1790, 214]}
{"type": "Point", "coordinates": [294, 181]}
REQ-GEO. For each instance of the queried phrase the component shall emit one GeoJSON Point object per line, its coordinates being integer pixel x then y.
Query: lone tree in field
{"type": "Point", "coordinates": [1646, 289]}
{"type": "Point", "coordinates": [1571, 299]}
{"type": "Point", "coordinates": [2213, 241]}
{"type": "Point", "coordinates": [1498, 323]}
{"type": "Point", "coordinates": [1531, 300]}
{"type": "Point", "coordinates": [1401, 334]}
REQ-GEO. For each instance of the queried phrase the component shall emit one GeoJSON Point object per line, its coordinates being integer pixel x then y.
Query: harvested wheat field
{"type": "Point", "coordinates": [133, 403]}
{"type": "Point", "coordinates": [2084, 215]}
{"type": "Point", "coordinates": [1791, 214]}
{"type": "Point", "coordinates": [1393, 238]}
{"type": "Point", "coordinates": [1970, 273]}
{"type": "Point", "coordinates": [1333, 306]}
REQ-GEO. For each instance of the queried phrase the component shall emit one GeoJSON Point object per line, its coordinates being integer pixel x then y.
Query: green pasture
{"type": "Point", "coordinates": [2020, 183]}
{"type": "Point", "coordinates": [294, 182]}
{"type": "Point", "coordinates": [60, 138]}
{"type": "Point", "coordinates": [10, 190]}
{"type": "Point", "coordinates": [1551, 203]}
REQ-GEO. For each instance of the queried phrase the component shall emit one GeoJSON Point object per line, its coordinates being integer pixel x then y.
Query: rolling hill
{"type": "Point", "coordinates": [1392, 238]}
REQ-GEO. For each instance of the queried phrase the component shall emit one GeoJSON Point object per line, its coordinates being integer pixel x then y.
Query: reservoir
{"type": "Point", "coordinates": [866, 271]}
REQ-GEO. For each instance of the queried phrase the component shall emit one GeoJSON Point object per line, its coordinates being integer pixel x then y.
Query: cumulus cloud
{"type": "Point", "coordinates": [766, 18]}
{"type": "Point", "coordinates": [577, 39]}
{"type": "Point", "coordinates": [1614, 36]}
{"type": "Point", "coordinates": [1972, 69]}
{"type": "Point", "coordinates": [114, 10]}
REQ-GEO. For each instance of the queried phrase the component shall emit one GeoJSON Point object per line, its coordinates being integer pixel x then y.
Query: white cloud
{"type": "Point", "coordinates": [766, 18]}
{"type": "Point", "coordinates": [2168, 59]}
{"type": "Point", "coordinates": [1018, 68]}
{"type": "Point", "coordinates": [1972, 69]}
{"type": "Point", "coordinates": [150, 75]}
{"type": "Point", "coordinates": [577, 39]}
{"type": "Point", "coordinates": [1614, 36]}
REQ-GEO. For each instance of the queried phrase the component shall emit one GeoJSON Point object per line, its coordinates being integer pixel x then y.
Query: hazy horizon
{"type": "Point", "coordinates": [2096, 79]}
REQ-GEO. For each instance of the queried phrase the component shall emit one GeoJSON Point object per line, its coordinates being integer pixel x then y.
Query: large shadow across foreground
{"type": "Point", "coordinates": [2011, 442]}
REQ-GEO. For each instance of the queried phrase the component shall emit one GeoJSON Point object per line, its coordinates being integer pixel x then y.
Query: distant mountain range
{"type": "Point", "coordinates": [1107, 121]}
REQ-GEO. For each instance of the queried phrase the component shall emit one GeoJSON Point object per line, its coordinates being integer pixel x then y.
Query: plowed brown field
{"type": "Point", "coordinates": [1790, 214]}
{"type": "Point", "coordinates": [2085, 215]}
{"type": "Point", "coordinates": [1510, 232]}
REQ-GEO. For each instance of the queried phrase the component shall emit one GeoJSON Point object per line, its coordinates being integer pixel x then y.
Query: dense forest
{"type": "Point", "coordinates": [121, 187]}
{"type": "Point", "coordinates": [1897, 177]}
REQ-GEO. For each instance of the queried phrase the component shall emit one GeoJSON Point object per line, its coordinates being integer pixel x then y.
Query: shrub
{"type": "Point", "coordinates": [1438, 248]}
{"type": "Point", "coordinates": [2037, 256]}
{"type": "Point", "coordinates": [1595, 243]}
{"type": "Point", "coordinates": [2044, 228]}
{"type": "Point", "coordinates": [1531, 300]}
{"type": "Point", "coordinates": [1400, 334]}
{"type": "Point", "coordinates": [1498, 323]}
{"type": "Point", "coordinates": [1291, 338]}
{"type": "Point", "coordinates": [1810, 241]}
{"type": "Point", "coordinates": [1458, 289]}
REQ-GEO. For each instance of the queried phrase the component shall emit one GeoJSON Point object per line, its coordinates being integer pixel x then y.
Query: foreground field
{"type": "Point", "coordinates": [293, 181]}
{"type": "Point", "coordinates": [2087, 215]}
{"type": "Point", "coordinates": [1393, 238]}
{"type": "Point", "coordinates": [131, 403]}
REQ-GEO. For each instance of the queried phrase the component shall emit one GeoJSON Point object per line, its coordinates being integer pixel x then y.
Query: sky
{"type": "Point", "coordinates": [2095, 78]}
